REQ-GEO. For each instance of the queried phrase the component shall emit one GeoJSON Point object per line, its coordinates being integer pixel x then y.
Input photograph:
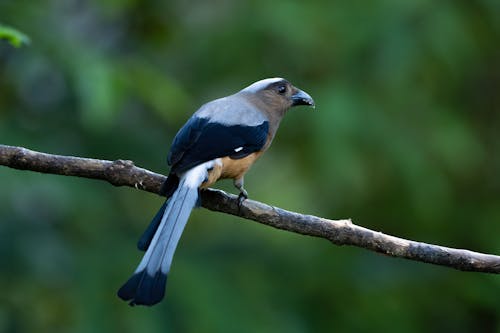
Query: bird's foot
{"type": "Point", "coordinates": [242, 197]}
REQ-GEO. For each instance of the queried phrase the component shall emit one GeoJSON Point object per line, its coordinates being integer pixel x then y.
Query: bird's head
{"type": "Point", "coordinates": [277, 94]}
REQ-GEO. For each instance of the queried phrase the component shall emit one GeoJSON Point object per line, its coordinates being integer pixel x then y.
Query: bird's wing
{"type": "Point", "coordinates": [220, 128]}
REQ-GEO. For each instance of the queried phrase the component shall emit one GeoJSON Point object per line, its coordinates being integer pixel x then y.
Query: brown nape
{"type": "Point", "coordinates": [270, 103]}
{"type": "Point", "coordinates": [275, 104]}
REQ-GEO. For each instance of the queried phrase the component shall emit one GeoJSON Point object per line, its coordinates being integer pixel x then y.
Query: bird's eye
{"type": "Point", "coordinates": [282, 89]}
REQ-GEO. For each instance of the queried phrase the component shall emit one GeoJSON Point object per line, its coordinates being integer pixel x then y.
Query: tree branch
{"type": "Point", "coordinates": [339, 232]}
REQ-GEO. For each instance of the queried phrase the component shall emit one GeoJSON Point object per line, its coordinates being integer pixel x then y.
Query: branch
{"type": "Point", "coordinates": [339, 232]}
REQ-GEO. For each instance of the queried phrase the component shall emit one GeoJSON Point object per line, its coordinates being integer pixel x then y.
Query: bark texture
{"type": "Point", "coordinates": [339, 232]}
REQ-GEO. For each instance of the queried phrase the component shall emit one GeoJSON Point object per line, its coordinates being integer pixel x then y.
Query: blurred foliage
{"type": "Point", "coordinates": [13, 36]}
{"type": "Point", "coordinates": [404, 139]}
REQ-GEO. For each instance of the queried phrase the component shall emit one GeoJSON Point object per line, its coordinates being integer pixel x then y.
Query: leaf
{"type": "Point", "coordinates": [13, 36]}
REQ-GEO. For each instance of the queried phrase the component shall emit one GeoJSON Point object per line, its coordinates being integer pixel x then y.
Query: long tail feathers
{"type": "Point", "coordinates": [150, 231]}
{"type": "Point", "coordinates": [147, 284]}
{"type": "Point", "coordinates": [167, 189]}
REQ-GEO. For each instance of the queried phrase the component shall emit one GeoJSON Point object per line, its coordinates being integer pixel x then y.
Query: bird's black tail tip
{"type": "Point", "coordinates": [144, 289]}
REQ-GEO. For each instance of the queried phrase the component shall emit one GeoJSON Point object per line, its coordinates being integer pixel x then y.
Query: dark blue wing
{"type": "Point", "coordinates": [200, 140]}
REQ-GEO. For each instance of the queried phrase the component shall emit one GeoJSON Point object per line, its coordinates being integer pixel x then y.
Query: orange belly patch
{"type": "Point", "coordinates": [230, 168]}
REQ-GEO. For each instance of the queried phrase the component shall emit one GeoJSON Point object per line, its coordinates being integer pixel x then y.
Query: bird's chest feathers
{"type": "Point", "coordinates": [227, 167]}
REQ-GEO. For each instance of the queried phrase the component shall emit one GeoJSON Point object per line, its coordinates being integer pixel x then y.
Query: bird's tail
{"type": "Point", "coordinates": [147, 284]}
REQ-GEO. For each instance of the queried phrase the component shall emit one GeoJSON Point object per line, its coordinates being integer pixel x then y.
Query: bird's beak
{"type": "Point", "coordinates": [302, 98]}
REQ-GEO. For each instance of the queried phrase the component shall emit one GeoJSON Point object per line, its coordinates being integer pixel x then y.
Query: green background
{"type": "Point", "coordinates": [404, 140]}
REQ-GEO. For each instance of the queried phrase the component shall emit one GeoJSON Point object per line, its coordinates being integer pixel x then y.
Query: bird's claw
{"type": "Point", "coordinates": [242, 197]}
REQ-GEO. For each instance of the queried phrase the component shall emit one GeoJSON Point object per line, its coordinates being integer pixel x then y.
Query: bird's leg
{"type": "Point", "coordinates": [238, 183]}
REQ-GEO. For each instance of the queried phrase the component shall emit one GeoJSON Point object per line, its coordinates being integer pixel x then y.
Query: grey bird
{"type": "Point", "coordinates": [221, 140]}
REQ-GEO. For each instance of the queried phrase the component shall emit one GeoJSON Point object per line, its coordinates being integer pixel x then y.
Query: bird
{"type": "Point", "coordinates": [221, 140]}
